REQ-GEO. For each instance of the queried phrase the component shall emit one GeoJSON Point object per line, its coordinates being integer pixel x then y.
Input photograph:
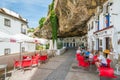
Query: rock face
{"type": "Point", "coordinates": [72, 16]}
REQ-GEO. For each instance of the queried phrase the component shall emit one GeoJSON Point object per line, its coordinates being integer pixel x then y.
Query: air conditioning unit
{"type": "Point", "coordinates": [99, 9]}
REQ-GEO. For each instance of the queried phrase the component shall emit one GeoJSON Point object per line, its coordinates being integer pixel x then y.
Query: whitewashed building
{"type": "Point", "coordinates": [72, 42]}
{"type": "Point", "coordinates": [12, 23]}
{"type": "Point", "coordinates": [91, 29]}
{"type": "Point", "coordinates": [106, 26]}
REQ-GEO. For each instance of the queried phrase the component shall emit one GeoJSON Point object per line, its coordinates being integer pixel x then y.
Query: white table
{"type": "Point", "coordinates": [4, 66]}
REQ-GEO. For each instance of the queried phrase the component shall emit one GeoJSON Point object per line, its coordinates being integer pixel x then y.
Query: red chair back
{"type": "Point", "coordinates": [17, 64]}
{"type": "Point", "coordinates": [34, 61]}
{"type": "Point", "coordinates": [108, 62]}
{"type": "Point", "coordinates": [107, 72]}
{"type": "Point", "coordinates": [26, 63]}
{"type": "Point", "coordinates": [95, 58]}
{"type": "Point", "coordinates": [43, 58]}
{"type": "Point", "coordinates": [77, 55]}
{"type": "Point", "coordinates": [25, 57]}
{"type": "Point", "coordinates": [82, 62]}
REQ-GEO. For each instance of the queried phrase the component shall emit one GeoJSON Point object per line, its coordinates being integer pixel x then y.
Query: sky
{"type": "Point", "coordinates": [32, 10]}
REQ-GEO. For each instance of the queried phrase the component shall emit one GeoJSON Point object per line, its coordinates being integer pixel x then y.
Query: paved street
{"type": "Point", "coordinates": [62, 67]}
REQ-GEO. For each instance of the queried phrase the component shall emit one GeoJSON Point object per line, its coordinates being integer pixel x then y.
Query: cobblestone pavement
{"type": "Point", "coordinates": [61, 72]}
{"type": "Point", "coordinates": [63, 67]}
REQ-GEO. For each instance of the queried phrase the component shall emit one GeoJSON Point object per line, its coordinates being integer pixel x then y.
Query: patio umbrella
{"type": "Point", "coordinates": [55, 45]}
{"type": "Point", "coordinates": [51, 45]}
{"type": "Point", "coordinates": [41, 40]}
{"type": "Point", "coordinates": [6, 37]}
{"type": "Point", "coordinates": [21, 38]}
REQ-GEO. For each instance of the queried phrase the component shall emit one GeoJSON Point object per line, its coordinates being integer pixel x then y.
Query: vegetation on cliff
{"type": "Point", "coordinates": [41, 22]}
{"type": "Point", "coordinates": [53, 21]}
{"type": "Point", "coordinates": [54, 25]}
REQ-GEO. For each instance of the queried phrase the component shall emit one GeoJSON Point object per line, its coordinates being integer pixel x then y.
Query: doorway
{"type": "Point", "coordinates": [108, 43]}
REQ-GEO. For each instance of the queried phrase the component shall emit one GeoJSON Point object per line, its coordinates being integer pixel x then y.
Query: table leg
{"type": "Point", "coordinates": [5, 73]}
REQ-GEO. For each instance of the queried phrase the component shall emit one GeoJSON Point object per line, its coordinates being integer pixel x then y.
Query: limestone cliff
{"type": "Point", "coordinates": [72, 17]}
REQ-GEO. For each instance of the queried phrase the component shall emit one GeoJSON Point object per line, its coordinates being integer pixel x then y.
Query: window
{"type": "Point", "coordinates": [73, 40]}
{"type": "Point", "coordinates": [92, 25]}
{"type": "Point", "coordinates": [23, 30]}
{"type": "Point", "coordinates": [88, 27]}
{"type": "Point", "coordinates": [23, 49]}
{"type": "Point", "coordinates": [7, 51]}
{"type": "Point", "coordinates": [7, 22]}
{"type": "Point", "coordinates": [100, 42]}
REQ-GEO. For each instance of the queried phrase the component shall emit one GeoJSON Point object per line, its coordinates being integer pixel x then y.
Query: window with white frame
{"type": "Point", "coordinates": [23, 29]}
{"type": "Point", "coordinates": [92, 25]}
{"type": "Point", "coordinates": [23, 49]}
{"type": "Point", "coordinates": [7, 51]}
{"type": "Point", "coordinates": [100, 42]}
{"type": "Point", "coordinates": [7, 22]}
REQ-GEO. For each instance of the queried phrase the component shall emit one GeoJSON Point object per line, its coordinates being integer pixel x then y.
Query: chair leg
{"type": "Point", "coordinates": [100, 78]}
{"type": "Point", "coordinates": [14, 69]}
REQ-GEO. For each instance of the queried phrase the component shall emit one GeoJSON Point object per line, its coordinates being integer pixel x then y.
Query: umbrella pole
{"type": "Point", "coordinates": [20, 54]}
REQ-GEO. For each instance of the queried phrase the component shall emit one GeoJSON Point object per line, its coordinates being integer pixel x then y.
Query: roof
{"type": "Point", "coordinates": [12, 14]}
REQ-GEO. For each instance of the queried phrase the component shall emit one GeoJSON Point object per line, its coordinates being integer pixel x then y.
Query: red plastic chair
{"type": "Point", "coordinates": [43, 58]}
{"type": "Point", "coordinates": [108, 63]}
{"type": "Point", "coordinates": [17, 64]}
{"type": "Point", "coordinates": [25, 57]}
{"type": "Point", "coordinates": [26, 63]}
{"type": "Point", "coordinates": [94, 60]}
{"type": "Point", "coordinates": [35, 57]}
{"type": "Point", "coordinates": [35, 60]}
{"type": "Point", "coordinates": [77, 56]}
{"type": "Point", "coordinates": [106, 72]}
{"type": "Point", "coordinates": [82, 62]}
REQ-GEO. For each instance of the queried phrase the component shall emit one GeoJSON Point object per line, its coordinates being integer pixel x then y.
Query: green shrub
{"type": "Point", "coordinates": [59, 45]}
{"type": "Point", "coordinates": [47, 46]}
{"type": "Point", "coordinates": [41, 22]}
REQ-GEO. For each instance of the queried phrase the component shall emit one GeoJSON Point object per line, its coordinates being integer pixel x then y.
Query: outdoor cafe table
{"type": "Point", "coordinates": [4, 66]}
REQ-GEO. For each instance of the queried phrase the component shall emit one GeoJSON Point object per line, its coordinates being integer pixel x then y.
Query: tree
{"type": "Point", "coordinates": [41, 22]}
{"type": "Point", "coordinates": [31, 30]}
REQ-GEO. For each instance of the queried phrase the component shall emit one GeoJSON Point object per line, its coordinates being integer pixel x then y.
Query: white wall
{"type": "Point", "coordinates": [115, 16]}
{"type": "Point", "coordinates": [91, 33]}
{"type": "Point", "coordinates": [15, 25]}
{"type": "Point", "coordinates": [14, 47]}
{"type": "Point", "coordinates": [101, 21]}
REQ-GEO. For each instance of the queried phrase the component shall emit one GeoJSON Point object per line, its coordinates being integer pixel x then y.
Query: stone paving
{"type": "Point", "coordinates": [63, 67]}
